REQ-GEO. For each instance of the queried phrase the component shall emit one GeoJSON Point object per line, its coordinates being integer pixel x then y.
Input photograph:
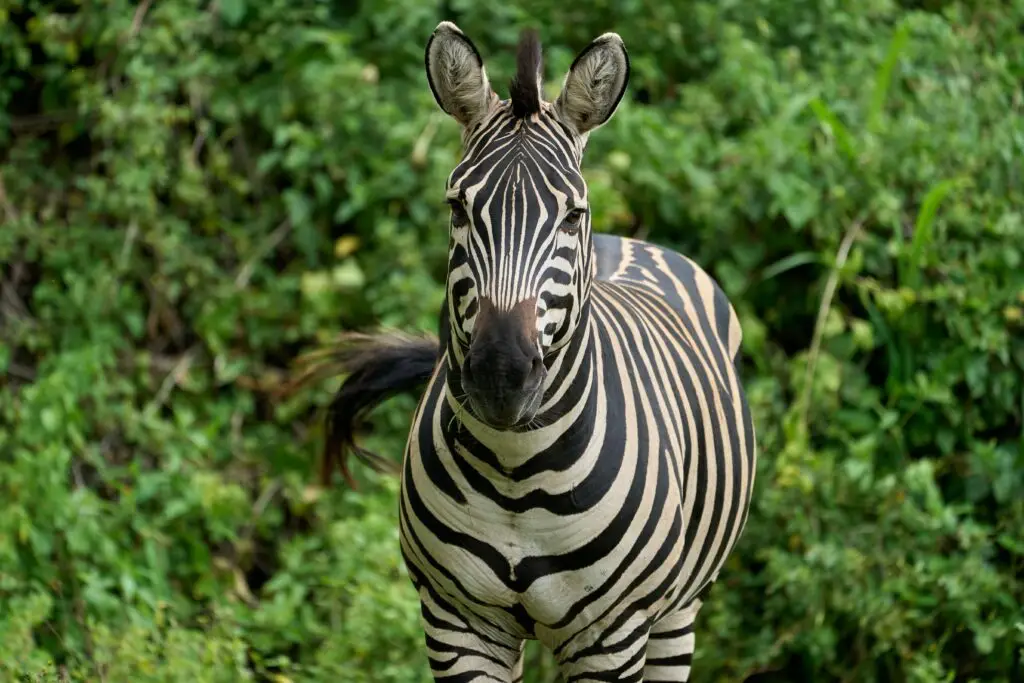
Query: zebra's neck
{"type": "Point", "coordinates": [559, 435]}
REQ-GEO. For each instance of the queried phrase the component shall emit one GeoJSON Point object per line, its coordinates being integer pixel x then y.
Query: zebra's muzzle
{"type": "Point", "coordinates": [503, 373]}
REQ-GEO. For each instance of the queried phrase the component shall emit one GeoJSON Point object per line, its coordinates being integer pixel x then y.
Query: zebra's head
{"type": "Point", "coordinates": [520, 253]}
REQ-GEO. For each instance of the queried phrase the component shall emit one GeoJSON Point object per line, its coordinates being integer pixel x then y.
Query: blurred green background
{"type": "Point", "coordinates": [194, 193]}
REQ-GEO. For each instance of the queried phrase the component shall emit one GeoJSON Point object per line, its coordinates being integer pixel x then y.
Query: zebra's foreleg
{"type": "Point", "coordinates": [457, 652]}
{"type": "Point", "coordinates": [469, 658]}
{"type": "Point", "coordinates": [614, 654]}
{"type": "Point", "coordinates": [670, 646]}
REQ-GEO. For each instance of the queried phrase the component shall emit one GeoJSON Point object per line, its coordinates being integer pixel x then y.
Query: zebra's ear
{"type": "Point", "coordinates": [594, 85]}
{"type": "Point", "coordinates": [456, 74]}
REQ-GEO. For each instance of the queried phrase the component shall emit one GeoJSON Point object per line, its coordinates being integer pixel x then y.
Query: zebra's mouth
{"type": "Point", "coordinates": [506, 412]}
{"type": "Point", "coordinates": [500, 407]}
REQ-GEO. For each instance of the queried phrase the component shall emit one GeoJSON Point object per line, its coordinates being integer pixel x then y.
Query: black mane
{"type": "Point", "coordinates": [524, 89]}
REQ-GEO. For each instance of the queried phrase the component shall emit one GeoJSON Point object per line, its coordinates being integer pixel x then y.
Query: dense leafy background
{"type": "Point", "coordinates": [194, 193]}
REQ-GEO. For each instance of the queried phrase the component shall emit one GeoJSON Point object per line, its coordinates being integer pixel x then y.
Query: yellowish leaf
{"type": "Point", "coordinates": [346, 245]}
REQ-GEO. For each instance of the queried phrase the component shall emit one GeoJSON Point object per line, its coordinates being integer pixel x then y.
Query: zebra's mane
{"type": "Point", "coordinates": [525, 87]}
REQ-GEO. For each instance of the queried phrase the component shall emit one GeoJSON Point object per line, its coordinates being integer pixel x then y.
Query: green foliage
{"type": "Point", "coordinates": [193, 193]}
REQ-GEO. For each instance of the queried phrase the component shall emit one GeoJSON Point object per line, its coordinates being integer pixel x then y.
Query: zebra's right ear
{"type": "Point", "coordinates": [456, 74]}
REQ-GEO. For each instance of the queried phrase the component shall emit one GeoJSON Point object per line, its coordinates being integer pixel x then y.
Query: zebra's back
{"type": "Point", "coordinates": [666, 321]}
{"type": "Point", "coordinates": [683, 284]}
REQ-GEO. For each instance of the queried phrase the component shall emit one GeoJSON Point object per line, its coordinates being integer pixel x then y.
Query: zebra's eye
{"type": "Point", "coordinates": [571, 224]}
{"type": "Point", "coordinates": [460, 218]}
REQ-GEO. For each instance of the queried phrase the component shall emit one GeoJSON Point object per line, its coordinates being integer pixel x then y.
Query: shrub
{"type": "Point", "coordinates": [192, 195]}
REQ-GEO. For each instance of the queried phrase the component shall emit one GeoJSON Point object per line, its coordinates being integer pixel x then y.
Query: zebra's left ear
{"type": "Point", "coordinates": [594, 85]}
{"type": "Point", "coordinates": [456, 74]}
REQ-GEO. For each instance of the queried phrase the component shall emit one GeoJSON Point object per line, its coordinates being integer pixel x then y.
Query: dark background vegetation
{"type": "Point", "coordinates": [194, 193]}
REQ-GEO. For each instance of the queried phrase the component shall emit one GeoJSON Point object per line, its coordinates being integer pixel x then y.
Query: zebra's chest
{"type": "Point", "coordinates": [542, 561]}
{"type": "Point", "coordinates": [536, 565]}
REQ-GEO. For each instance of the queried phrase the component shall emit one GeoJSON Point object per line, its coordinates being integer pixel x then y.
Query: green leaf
{"type": "Point", "coordinates": [883, 79]}
{"type": "Point", "coordinates": [789, 263]}
{"type": "Point", "coordinates": [924, 228]}
{"type": "Point", "coordinates": [835, 127]}
{"type": "Point", "coordinates": [233, 11]}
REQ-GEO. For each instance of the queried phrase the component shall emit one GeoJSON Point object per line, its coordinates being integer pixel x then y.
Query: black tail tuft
{"type": "Point", "coordinates": [378, 366]}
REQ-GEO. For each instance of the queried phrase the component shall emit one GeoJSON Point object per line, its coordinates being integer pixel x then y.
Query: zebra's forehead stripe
{"type": "Point", "coordinates": [515, 184]}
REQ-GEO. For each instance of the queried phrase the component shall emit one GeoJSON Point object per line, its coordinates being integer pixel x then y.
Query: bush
{"type": "Point", "coordinates": [191, 196]}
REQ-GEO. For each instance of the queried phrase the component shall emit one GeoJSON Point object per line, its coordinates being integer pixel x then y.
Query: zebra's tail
{"type": "Point", "coordinates": [378, 367]}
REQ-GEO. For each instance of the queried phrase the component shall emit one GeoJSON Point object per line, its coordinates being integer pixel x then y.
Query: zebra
{"type": "Point", "coordinates": [582, 457]}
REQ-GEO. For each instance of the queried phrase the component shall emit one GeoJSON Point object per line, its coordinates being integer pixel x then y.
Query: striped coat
{"type": "Point", "coordinates": [581, 461]}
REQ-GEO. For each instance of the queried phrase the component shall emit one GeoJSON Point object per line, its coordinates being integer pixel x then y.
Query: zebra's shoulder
{"type": "Point", "coordinates": [674, 277]}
